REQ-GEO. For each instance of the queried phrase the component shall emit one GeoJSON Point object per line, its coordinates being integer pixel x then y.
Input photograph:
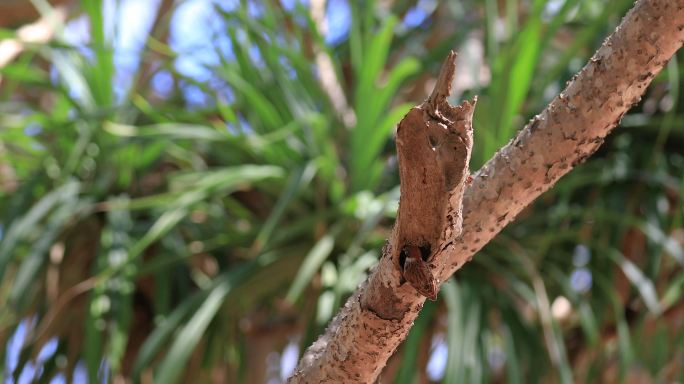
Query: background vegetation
{"type": "Point", "coordinates": [209, 225]}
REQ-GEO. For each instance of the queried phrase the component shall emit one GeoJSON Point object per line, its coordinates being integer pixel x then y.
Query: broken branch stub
{"type": "Point", "coordinates": [434, 143]}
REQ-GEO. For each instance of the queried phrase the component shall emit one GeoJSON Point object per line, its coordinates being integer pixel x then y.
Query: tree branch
{"type": "Point", "coordinates": [375, 320]}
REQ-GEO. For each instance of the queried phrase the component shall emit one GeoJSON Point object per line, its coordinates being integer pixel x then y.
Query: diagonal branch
{"type": "Point", "coordinates": [377, 318]}
{"type": "Point", "coordinates": [571, 128]}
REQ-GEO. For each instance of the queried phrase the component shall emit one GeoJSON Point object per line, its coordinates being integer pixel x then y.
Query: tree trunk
{"type": "Point", "coordinates": [377, 318]}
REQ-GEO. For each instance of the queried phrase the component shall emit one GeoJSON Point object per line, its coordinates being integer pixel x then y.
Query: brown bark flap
{"type": "Point", "coordinates": [434, 142]}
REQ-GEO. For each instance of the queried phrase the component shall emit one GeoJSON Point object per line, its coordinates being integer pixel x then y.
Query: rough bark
{"type": "Point", "coordinates": [375, 320]}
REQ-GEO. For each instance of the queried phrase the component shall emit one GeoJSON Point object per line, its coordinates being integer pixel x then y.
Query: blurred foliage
{"type": "Point", "coordinates": [145, 235]}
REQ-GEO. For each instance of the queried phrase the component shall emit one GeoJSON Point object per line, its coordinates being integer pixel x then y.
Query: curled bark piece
{"type": "Point", "coordinates": [417, 272]}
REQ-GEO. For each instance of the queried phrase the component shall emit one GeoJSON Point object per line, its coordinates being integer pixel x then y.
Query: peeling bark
{"type": "Point", "coordinates": [375, 320]}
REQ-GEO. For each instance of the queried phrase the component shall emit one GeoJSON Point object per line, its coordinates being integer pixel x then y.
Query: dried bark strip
{"type": "Point", "coordinates": [373, 322]}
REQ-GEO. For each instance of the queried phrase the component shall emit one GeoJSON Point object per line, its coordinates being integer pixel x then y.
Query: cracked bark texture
{"type": "Point", "coordinates": [377, 318]}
